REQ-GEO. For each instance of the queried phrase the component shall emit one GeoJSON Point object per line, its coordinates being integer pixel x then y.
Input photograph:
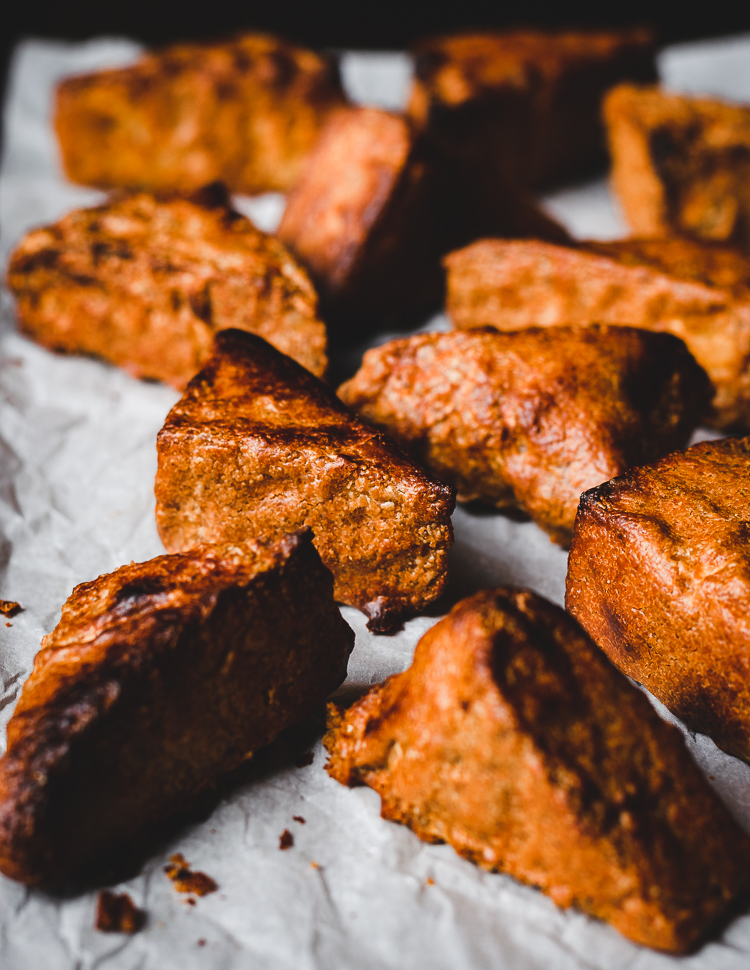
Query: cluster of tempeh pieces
{"type": "Point", "coordinates": [572, 367]}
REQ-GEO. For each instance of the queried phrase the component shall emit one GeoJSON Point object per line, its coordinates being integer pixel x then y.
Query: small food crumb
{"type": "Point", "coordinates": [430, 882]}
{"type": "Point", "coordinates": [286, 840]}
{"type": "Point", "coordinates": [9, 624]}
{"type": "Point", "coordinates": [298, 818]}
{"type": "Point", "coordinates": [314, 864]}
{"type": "Point", "coordinates": [186, 881]}
{"type": "Point", "coordinates": [305, 759]}
{"type": "Point", "coordinates": [10, 607]}
{"type": "Point", "coordinates": [201, 942]}
{"type": "Point", "coordinates": [117, 913]}
{"type": "Point", "coordinates": [190, 901]}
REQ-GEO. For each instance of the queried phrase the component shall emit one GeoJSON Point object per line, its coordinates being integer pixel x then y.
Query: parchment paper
{"type": "Point", "coordinates": [77, 462]}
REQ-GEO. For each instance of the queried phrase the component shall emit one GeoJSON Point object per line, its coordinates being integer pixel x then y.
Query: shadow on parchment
{"type": "Point", "coordinates": [292, 749]}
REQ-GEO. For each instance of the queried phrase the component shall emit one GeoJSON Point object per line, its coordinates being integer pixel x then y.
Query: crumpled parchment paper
{"type": "Point", "coordinates": [77, 462]}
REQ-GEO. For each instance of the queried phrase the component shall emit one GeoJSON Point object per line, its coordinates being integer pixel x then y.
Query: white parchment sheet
{"type": "Point", "coordinates": [77, 462]}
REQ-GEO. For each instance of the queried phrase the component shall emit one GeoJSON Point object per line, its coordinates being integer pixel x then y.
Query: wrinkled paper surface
{"type": "Point", "coordinates": [77, 462]}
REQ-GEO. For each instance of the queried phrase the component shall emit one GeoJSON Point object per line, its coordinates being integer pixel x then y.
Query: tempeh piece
{"type": "Point", "coordinates": [145, 282]}
{"type": "Point", "coordinates": [246, 112]}
{"type": "Point", "coordinates": [160, 678]}
{"type": "Point", "coordinates": [659, 574]}
{"type": "Point", "coordinates": [531, 419]}
{"type": "Point", "coordinates": [680, 164]}
{"type": "Point", "coordinates": [363, 220]}
{"type": "Point", "coordinates": [700, 292]}
{"type": "Point", "coordinates": [258, 447]}
{"type": "Point", "coordinates": [525, 105]}
{"type": "Point", "coordinates": [512, 738]}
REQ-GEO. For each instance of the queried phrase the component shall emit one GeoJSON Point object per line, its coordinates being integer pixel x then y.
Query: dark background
{"type": "Point", "coordinates": [352, 23]}
{"type": "Point", "coordinates": [359, 23]}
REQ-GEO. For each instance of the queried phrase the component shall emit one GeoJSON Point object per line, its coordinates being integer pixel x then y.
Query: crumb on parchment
{"type": "Point", "coordinates": [286, 840]}
{"type": "Point", "coordinates": [186, 881]}
{"type": "Point", "coordinates": [117, 913]}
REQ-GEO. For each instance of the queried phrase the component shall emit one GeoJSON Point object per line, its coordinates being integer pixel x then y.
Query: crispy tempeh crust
{"type": "Point", "coordinates": [698, 291]}
{"type": "Point", "coordinates": [258, 447]}
{"type": "Point", "coordinates": [531, 419]}
{"type": "Point", "coordinates": [680, 164]}
{"type": "Point", "coordinates": [364, 221]}
{"type": "Point", "coordinates": [246, 112]}
{"type": "Point", "coordinates": [659, 574]}
{"type": "Point", "coordinates": [524, 106]}
{"type": "Point", "coordinates": [512, 738]}
{"type": "Point", "coordinates": [145, 282]}
{"type": "Point", "coordinates": [160, 678]}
